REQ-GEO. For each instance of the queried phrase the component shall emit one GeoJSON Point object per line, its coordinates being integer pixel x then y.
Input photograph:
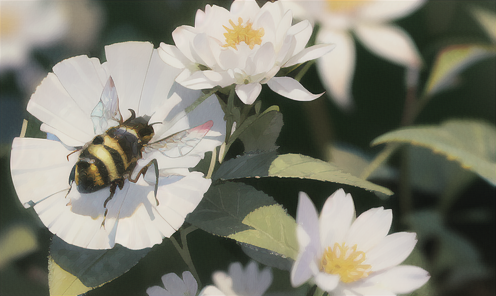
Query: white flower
{"type": "Point", "coordinates": [245, 46]}
{"type": "Point", "coordinates": [239, 282]}
{"type": "Point", "coordinates": [368, 20]}
{"type": "Point", "coordinates": [175, 286]}
{"type": "Point", "coordinates": [27, 24]}
{"type": "Point", "coordinates": [65, 102]}
{"type": "Point", "coordinates": [353, 257]}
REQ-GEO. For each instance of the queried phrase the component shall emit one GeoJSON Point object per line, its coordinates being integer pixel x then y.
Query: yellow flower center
{"type": "Point", "coordinates": [242, 33]}
{"type": "Point", "coordinates": [9, 22]}
{"type": "Point", "coordinates": [345, 262]}
{"type": "Point", "coordinates": [344, 5]}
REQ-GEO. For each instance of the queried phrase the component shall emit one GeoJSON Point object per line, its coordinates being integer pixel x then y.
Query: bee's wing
{"type": "Point", "coordinates": [181, 143]}
{"type": "Point", "coordinates": [106, 113]}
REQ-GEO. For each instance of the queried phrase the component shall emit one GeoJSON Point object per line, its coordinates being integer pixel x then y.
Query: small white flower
{"type": "Point", "coordinates": [368, 20]}
{"type": "Point", "coordinates": [65, 102]}
{"type": "Point", "coordinates": [239, 282]}
{"type": "Point", "coordinates": [175, 286]}
{"type": "Point", "coordinates": [348, 256]}
{"type": "Point", "coordinates": [246, 46]}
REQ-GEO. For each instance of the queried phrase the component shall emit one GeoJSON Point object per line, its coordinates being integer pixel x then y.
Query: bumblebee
{"type": "Point", "coordinates": [111, 157]}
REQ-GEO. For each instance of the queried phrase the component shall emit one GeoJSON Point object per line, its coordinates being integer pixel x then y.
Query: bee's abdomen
{"type": "Point", "coordinates": [98, 166]}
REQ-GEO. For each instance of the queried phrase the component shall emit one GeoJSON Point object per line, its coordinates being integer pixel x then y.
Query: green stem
{"type": "Point", "coordinates": [230, 116]}
{"type": "Point", "coordinates": [304, 70]}
{"type": "Point", "coordinates": [184, 251]}
{"type": "Point", "coordinates": [318, 292]}
{"type": "Point", "coordinates": [201, 99]}
{"type": "Point", "coordinates": [379, 160]}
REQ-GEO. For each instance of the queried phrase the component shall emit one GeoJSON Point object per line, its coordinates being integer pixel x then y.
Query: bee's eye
{"type": "Point", "coordinates": [98, 140]}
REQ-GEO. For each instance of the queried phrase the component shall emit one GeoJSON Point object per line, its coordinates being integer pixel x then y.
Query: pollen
{"type": "Point", "coordinates": [346, 262]}
{"type": "Point", "coordinates": [242, 33]}
{"type": "Point", "coordinates": [344, 6]}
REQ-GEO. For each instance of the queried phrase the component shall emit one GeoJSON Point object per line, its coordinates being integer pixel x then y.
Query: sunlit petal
{"type": "Point", "coordinates": [390, 42]}
{"type": "Point", "coordinates": [336, 68]}
{"type": "Point", "coordinates": [290, 88]}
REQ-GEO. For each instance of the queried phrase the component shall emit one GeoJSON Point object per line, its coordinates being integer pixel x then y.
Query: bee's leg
{"type": "Point", "coordinates": [72, 176]}
{"type": "Point", "coordinates": [113, 187]}
{"type": "Point", "coordinates": [143, 171]}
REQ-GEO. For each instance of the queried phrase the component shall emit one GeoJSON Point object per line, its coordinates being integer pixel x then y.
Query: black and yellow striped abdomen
{"type": "Point", "coordinates": [110, 157]}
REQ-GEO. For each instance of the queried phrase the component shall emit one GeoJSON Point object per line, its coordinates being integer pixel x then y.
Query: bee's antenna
{"type": "Point", "coordinates": [155, 123]}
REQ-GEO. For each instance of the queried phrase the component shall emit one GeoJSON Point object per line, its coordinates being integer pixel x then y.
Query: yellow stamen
{"type": "Point", "coordinates": [242, 33]}
{"type": "Point", "coordinates": [344, 6]}
{"type": "Point", "coordinates": [345, 262]}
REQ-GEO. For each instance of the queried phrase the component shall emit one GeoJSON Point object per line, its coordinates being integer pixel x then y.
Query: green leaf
{"type": "Point", "coordinates": [263, 132]}
{"type": "Point", "coordinates": [487, 20]}
{"type": "Point", "coordinates": [267, 257]}
{"type": "Point", "coordinates": [355, 161]}
{"type": "Point", "coordinates": [63, 283]}
{"type": "Point", "coordinates": [272, 229]}
{"type": "Point", "coordinates": [94, 267]}
{"type": "Point", "coordinates": [305, 167]}
{"type": "Point", "coordinates": [247, 125]}
{"type": "Point", "coordinates": [245, 166]}
{"type": "Point", "coordinates": [224, 206]}
{"type": "Point", "coordinates": [451, 61]}
{"type": "Point", "coordinates": [471, 143]}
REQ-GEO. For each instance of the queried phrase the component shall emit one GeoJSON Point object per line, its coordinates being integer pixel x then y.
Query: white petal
{"type": "Point", "coordinates": [39, 168]}
{"type": "Point", "coordinates": [157, 291]}
{"type": "Point", "coordinates": [309, 53]}
{"type": "Point", "coordinates": [190, 282]}
{"type": "Point", "coordinates": [224, 282]}
{"type": "Point", "coordinates": [388, 10]}
{"type": "Point", "coordinates": [326, 282]}
{"type": "Point", "coordinates": [183, 38]}
{"type": "Point", "coordinates": [308, 240]}
{"type": "Point", "coordinates": [211, 291]}
{"type": "Point", "coordinates": [400, 279]}
{"type": "Point", "coordinates": [248, 93]}
{"type": "Point", "coordinates": [336, 68]}
{"type": "Point", "coordinates": [52, 105]}
{"type": "Point", "coordinates": [128, 65]}
{"type": "Point", "coordinates": [158, 83]}
{"type": "Point", "coordinates": [175, 285]}
{"type": "Point", "coordinates": [263, 60]}
{"type": "Point", "coordinates": [173, 56]}
{"type": "Point", "coordinates": [390, 42]}
{"type": "Point", "coordinates": [335, 218]}
{"type": "Point", "coordinates": [206, 79]}
{"type": "Point", "coordinates": [76, 218]}
{"type": "Point", "coordinates": [290, 88]}
{"type": "Point", "coordinates": [203, 55]}
{"type": "Point", "coordinates": [369, 228]}
{"type": "Point", "coordinates": [391, 251]}
{"type": "Point", "coordinates": [79, 76]}
{"type": "Point", "coordinates": [245, 9]}
{"type": "Point", "coordinates": [302, 32]}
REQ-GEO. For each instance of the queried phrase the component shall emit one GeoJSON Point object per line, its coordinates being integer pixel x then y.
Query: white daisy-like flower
{"type": "Point", "coordinates": [27, 24]}
{"type": "Point", "coordinates": [240, 282]}
{"type": "Point", "coordinates": [368, 21]}
{"type": "Point", "coordinates": [175, 286]}
{"type": "Point", "coordinates": [245, 46]}
{"type": "Point", "coordinates": [77, 103]}
{"type": "Point", "coordinates": [348, 256]}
